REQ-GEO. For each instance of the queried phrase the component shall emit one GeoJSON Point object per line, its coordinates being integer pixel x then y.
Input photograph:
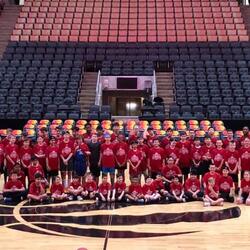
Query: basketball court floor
{"type": "Point", "coordinates": [85, 225]}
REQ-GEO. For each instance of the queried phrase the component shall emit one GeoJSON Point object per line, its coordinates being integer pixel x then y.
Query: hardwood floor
{"type": "Point", "coordinates": [177, 226]}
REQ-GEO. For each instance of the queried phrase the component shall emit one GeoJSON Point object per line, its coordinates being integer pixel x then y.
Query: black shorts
{"type": "Point", "coordinates": [95, 170]}
{"type": "Point", "coordinates": [68, 167]}
{"type": "Point", "coordinates": [52, 173]}
{"type": "Point", "coordinates": [185, 170]}
{"type": "Point", "coordinates": [234, 177]}
{"type": "Point", "coordinates": [1, 169]}
{"type": "Point", "coordinates": [244, 196]}
{"type": "Point", "coordinates": [226, 196]}
{"type": "Point", "coordinates": [204, 167]}
{"type": "Point", "coordinates": [121, 167]}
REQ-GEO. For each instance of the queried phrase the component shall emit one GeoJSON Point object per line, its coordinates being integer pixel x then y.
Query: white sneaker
{"type": "Point", "coordinates": [206, 204]}
{"type": "Point", "coordinates": [79, 198]}
{"type": "Point", "coordinates": [71, 198]}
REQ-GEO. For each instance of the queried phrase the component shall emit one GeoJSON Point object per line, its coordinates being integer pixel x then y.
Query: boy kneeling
{"type": "Point", "coordinates": [14, 189]}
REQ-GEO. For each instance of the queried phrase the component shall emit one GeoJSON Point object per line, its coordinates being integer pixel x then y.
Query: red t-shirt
{"type": "Point", "coordinates": [11, 184]}
{"type": "Point", "coordinates": [75, 185]}
{"type": "Point", "coordinates": [159, 184]}
{"type": "Point", "coordinates": [165, 142]}
{"type": "Point", "coordinates": [108, 157]}
{"type": "Point", "coordinates": [156, 157]}
{"type": "Point", "coordinates": [41, 150]}
{"type": "Point", "coordinates": [148, 189]}
{"type": "Point", "coordinates": [245, 158]}
{"type": "Point", "coordinates": [13, 152]}
{"type": "Point", "coordinates": [52, 154]}
{"type": "Point", "coordinates": [32, 170]}
{"type": "Point", "coordinates": [34, 189]}
{"type": "Point", "coordinates": [232, 158]}
{"type": "Point", "coordinates": [225, 183]}
{"type": "Point", "coordinates": [210, 194]}
{"type": "Point", "coordinates": [25, 155]}
{"type": "Point", "coordinates": [196, 154]}
{"type": "Point", "coordinates": [215, 175]}
{"type": "Point", "coordinates": [135, 189]}
{"type": "Point", "coordinates": [218, 156]}
{"type": "Point", "coordinates": [66, 148]}
{"type": "Point", "coordinates": [21, 177]}
{"type": "Point", "coordinates": [90, 186]}
{"type": "Point", "coordinates": [192, 184]}
{"type": "Point", "coordinates": [144, 150]}
{"type": "Point", "coordinates": [245, 186]}
{"type": "Point", "coordinates": [169, 172]}
{"type": "Point", "coordinates": [57, 189]}
{"type": "Point", "coordinates": [120, 187]}
{"type": "Point", "coordinates": [1, 154]}
{"type": "Point", "coordinates": [134, 156]}
{"type": "Point", "coordinates": [172, 152]}
{"type": "Point", "coordinates": [104, 188]}
{"type": "Point", "coordinates": [207, 151]}
{"type": "Point", "coordinates": [121, 151]}
{"type": "Point", "coordinates": [177, 188]}
{"type": "Point", "coordinates": [184, 154]}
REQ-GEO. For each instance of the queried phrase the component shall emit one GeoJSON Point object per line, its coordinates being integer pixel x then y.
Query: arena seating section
{"type": "Point", "coordinates": [53, 42]}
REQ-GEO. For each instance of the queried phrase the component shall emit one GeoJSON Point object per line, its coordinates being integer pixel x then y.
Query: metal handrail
{"type": "Point", "coordinates": [154, 86]}
{"type": "Point", "coordinates": [98, 90]}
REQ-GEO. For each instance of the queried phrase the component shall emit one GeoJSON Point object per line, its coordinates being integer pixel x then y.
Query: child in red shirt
{"type": "Point", "coordinates": [156, 158]}
{"type": "Point", "coordinates": [37, 190]}
{"type": "Point", "coordinates": [121, 151]}
{"type": "Point", "coordinates": [244, 194]}
{"type": "Point", "coordinates": [193, 187]}
{"type": "Point", "coordinates": [218, 156]}
{"type": "Point", "coordinates": [14, 189]}
{"type": "Point", "coordinates": [232, 162]}
{"type": "Point", "coordinates": [11, 154]}
{"type": "Point", "coordinates": [160, 187]}
{"type": "Point", "coordinates": [39, 150]}
{"type": "Point", "coordinates": [169, 171]}
{"type": "Point", "coordinates": [104, 190]}
{"type": "Point", "coordinates": [134, 193]}
{"type": "Point", "coordinates": [149, 191]}
{"type": "Point", "coordinates": [52, 159]}
{"type": "Point", "coordinates": [25, 154]}
{"type": "Point", "coordinates": [75, 189]}
{"type": "Point", "coordinates": [226, 185]}
{"type": "Point", "coordinates": [20, 174]}
{"type": "Point", "coordinates": [212, 194]}
{"type": "Point", "coordinates": [177, 190]}
{"type": "Point", "coordinates": [34, 168]}
{"type": "Point", "coordinates": [57, 190]}
{"type": "Point", "coordinates": [90, 187]}
{"type": "Point", "coordinates": [134, 159]}
{"type": "Point", "coordinates": [107, 158]}
{"type": "Point", "coordinates": [210, 174]}
{"type": "Point", "coordinates": [143, 148]}
{"type": "Point", "coordinates": [119, 189]}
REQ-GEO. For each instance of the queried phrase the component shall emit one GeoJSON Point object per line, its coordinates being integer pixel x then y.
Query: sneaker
{"type": "Point", "coordinates": [183, 200]}
{"type": "Point", "coordinates": [71, 198]}
{"type": "Point", "coordinates": [79, 198]}
{"type": "Point", "coordinates": [127, 200]}
{"type": "Point", "coordinates": [166, 199]}
{"type": "Point", "coordinates": [206, 203]}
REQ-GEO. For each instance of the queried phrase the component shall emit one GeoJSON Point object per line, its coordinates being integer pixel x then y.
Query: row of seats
{"type": "Point", "coordinates": [211, 111]}
{"type": "Point", "coordinates": [122, 22]}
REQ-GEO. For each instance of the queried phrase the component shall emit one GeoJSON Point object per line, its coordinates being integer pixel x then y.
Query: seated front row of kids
{"type": "Point", "coordinates": [214, 189]}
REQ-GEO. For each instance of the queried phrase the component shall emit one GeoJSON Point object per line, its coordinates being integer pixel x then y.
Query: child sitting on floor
{"type": "Point", "coordinates": [212, 194]}
{"type": "Point", "coordinates": [57, 190]}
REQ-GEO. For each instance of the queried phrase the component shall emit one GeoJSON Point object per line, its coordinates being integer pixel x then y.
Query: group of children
{"type": "Point", "coordinates": [173, 171]}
